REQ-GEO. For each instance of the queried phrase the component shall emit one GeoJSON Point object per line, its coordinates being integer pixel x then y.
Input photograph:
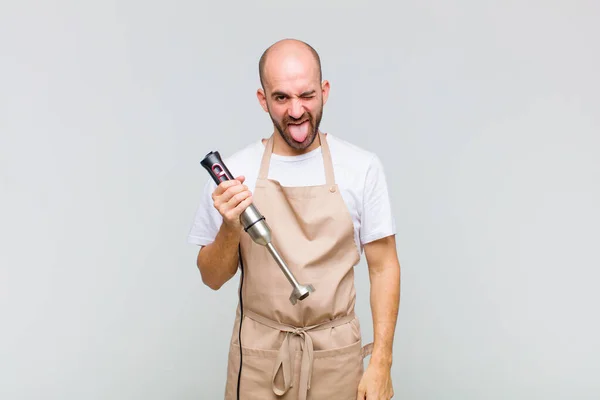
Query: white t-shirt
{"type": "Point", "coordinates": [358, 173]}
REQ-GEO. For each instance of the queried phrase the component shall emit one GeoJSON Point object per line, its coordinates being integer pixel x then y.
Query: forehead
{"type": "Point", "coordinates": [291, 74]}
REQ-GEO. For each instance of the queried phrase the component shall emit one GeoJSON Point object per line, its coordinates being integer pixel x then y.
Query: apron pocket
{"type": "Point", "coordinates": [336, 373]}
{"type": "Point", "coordinates": [257, 370]}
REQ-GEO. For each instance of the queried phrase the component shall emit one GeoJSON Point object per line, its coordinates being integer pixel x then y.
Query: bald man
{"type": "Point", "coordinates": [326, 201]}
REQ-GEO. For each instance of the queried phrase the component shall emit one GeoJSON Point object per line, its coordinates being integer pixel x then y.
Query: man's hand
{"type": "Point", "coordinates": [376, 384]}
{"type": "Point", "coordinates": [231, 198]}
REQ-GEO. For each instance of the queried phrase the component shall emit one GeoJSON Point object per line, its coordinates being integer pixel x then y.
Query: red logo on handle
{"type": "Point", "coordinates": [219, 172]}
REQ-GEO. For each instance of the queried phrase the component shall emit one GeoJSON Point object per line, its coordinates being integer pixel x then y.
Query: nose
{"type": "Point", "coordinates": [296, 109]}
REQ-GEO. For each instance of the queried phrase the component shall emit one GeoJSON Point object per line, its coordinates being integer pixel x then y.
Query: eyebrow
{"type": "Point", "coordinates": [279, 93]}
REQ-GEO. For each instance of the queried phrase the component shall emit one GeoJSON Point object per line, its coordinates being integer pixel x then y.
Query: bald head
{"type": "Point", "coordinates": [290, 54]}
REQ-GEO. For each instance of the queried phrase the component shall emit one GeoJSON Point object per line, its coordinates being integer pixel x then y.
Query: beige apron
{"type": "Point", "coordinates": [311, 350]}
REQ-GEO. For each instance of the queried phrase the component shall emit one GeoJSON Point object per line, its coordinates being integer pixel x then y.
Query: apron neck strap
{"type": "Point", "coordinates": [327, 162]}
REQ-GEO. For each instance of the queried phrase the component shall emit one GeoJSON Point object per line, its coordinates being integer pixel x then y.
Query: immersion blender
{"type": "Point", "coordinates": [255, 225]}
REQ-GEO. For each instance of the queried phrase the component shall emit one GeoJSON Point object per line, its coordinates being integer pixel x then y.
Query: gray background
{"type": "Point", "coordinates": [485, 115]}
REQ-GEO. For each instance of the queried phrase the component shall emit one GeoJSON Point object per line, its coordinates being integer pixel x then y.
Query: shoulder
{"type": "Point", "coordinates": [353, 159]}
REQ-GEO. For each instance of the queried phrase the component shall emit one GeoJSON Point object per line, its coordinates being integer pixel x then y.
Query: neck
{"type": "Point", "coordinates": [280, 147]}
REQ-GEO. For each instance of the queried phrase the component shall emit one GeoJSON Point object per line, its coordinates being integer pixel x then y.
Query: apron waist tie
{"type": "Point", "coordinates": [285, 360]}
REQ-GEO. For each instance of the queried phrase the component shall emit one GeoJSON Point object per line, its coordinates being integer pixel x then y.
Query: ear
{"type": "Point", "coordinates": [262, 99]}
{"type": "Point", "coordinates": [325, 91]}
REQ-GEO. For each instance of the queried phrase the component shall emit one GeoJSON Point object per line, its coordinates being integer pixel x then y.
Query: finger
{"type": "Point", "coordinates": [233, 214]}
{"type": "Point", "coordinates": [239, 209]}
{"type": "Point", "coordinates": [223, 186]}
{"type": "Point", "coordinates": [228, 208]}
{"type": "Point", "coordinates": [230, 193]}
{"type": "Point", "coordinates": [238, 198]}
{"type": "Point", "coordinates": [241, 178]}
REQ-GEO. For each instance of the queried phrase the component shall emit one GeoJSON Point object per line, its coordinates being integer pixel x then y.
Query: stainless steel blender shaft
{"type": "Point", "coordinates": [260, 232]}
{"type": "Point", "coordinates": [300, 292]}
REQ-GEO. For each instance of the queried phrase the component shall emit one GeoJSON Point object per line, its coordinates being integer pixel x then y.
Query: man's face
{"type": "Point", "coordinates": [294, 98]}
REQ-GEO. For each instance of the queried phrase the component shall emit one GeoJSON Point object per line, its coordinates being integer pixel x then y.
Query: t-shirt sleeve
{"type": "Point", "coordinates": [207, 220]}
{"type": "Point", "coordinates": [377, 220]}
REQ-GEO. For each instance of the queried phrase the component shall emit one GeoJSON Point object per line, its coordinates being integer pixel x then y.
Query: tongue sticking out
{"type": "Point", "coordinates": [299, 132]}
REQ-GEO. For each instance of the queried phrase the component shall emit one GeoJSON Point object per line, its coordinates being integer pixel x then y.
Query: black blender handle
{"type": "Point", "coordinates": [213, 163]}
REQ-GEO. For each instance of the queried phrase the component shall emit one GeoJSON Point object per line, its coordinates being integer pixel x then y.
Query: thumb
{"type": "Point", "coordinates": [241, 178]}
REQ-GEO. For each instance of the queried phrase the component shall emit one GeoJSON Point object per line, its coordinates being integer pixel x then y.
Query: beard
{"type": "Point", "coordinates": [313, 129]}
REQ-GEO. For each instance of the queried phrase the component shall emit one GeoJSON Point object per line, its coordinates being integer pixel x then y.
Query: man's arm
{"type": "Point", "coordinates": [384, 274]}
{"type": "Point", "coordinates": [218, 260]}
